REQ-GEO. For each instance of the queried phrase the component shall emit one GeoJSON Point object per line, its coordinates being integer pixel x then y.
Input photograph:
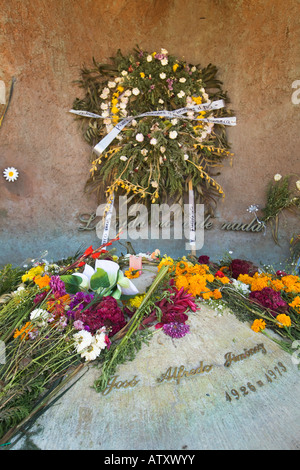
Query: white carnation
{"type": "Point", "coordinates": [139, 137]}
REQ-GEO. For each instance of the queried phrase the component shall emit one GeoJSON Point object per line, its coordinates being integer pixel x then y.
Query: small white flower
{"type": "Point", "coordinates": [161, 101]}
{"type": "Point", "coordinates": [136, 91]}
{"type": "Point", "coordinates": [277, 177]}
{"type": "Point", "coordinates": [11, 173]}
{"type": "Point", "coordinates": [123, 105]}
{"type": "Point", "coordinates": [162, 149]}
{"type": "Point", "coordinates": [182, 80]}
{"type": "Point", "coordinates": [107, 121]}
{"type": "Point", "coordinates": [193, 69]}
{"type": "Point", "coordinates": [123, 158]}
{"type": "Point", "coordinates": [149, 58]}
{"type": "Point", "coordinates": [111, 84]}
{"type": "Point", "coordinates": [164, 51]}
{"type": "Point", "coordinates": [139, 137]}
{"type": "Point", "coordinates": [124, 73]}
{"type": "Point", "coordinates": [181, 94]}
{"type": "Point", "coordinates": [164, 61]}
{"type": "Point", "coordinates": [133, 122]}
{"type": "Point", "coordinates": [105, 114]}
{"type": "Point", "coordinates": [104, 106]}
{"type": "Point", "coordinates": [154, 184]}
{"type": "Point", "coordinates": [153, 141]}
{"type": "Point", "coordinates": [173, 134]}
{"type": "Point", "coordinates": [144, 152]}
{"type": "Point", "coordinates": [162, 75]}
{"type": "Point", "coordinates": [38, 313]}
{"type": "Point", "coordinates": [185, 156]}
{"type": "Point", "coordinates": [100, 338]}
{"type": "Point", "coordinates": [83, 340]}
{"type": "Point", "coordinates": [118, 79]}
{"type": "Point", "coordinates": [127, 93]}
{"type": "Point", "coordinates": [174, 121]}
{"type": "Point", "coordinates": [91, 352]}
{"type": "Point", "coordinates": [298, 185]}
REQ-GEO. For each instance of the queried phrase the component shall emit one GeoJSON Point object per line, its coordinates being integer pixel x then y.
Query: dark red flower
{"type": "Point", "coordinates": [203, 259]}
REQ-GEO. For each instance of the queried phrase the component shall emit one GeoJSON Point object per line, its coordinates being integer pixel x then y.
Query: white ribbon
{"type": "Point", "coordinates": [177, 113]}
{"type": "Point", "coordinates": [107, 222]}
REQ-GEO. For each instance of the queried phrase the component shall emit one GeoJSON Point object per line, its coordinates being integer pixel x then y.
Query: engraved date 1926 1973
{"type": "Point", "coordinates": [250, 387]}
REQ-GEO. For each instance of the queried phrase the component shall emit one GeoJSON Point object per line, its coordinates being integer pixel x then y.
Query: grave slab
{"type": "Point", "coordinates": [221, 387]}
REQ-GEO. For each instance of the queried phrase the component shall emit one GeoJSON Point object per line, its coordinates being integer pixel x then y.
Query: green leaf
{"type": "Point", "coordinates": [99, 280]}
{"type": "Point", "coordinates": [72, 283]}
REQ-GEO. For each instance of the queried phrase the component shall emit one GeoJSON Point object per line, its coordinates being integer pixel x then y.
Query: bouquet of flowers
{"type": "Point", "coordinates": [56, 319]}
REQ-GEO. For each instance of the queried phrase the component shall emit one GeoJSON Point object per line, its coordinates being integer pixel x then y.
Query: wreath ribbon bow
{"type": "Point", "coordinates": [177, 113]}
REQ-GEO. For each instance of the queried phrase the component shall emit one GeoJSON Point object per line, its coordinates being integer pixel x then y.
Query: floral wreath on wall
{"type": "Point", "coordinates": [161, 122]}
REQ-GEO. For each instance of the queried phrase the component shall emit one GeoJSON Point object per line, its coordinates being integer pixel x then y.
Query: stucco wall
{"type": "Point", "coordinates": [43, 44]}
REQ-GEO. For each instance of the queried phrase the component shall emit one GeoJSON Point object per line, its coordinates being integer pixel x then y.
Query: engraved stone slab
{"type": "Point", "coordinates": [220, 387]}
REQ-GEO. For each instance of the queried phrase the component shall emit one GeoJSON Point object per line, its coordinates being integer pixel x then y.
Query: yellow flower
{"type": "Point", "coordinates": [175, 67]}
{"type": "Point", "coordinates": [29, 275]}
{"type": "Point", "coordinates": [283, 320]}
{"type": "Point", "coordinates": [258, 325]}
{"type": "Point", "coordinates": [114, 110]}
{"type": "Point", "coordinates": [142, 74]}
{"type": "Point", "coordinates": [166, 261]}
{"type": "Point", "coordinates": [132, 273]}
{"type": "Point", "coordinates": [197, 99]}
{"type": "Point", "coordinates": [136, 301]}
{"type": "Point", "coordinates": [120, 88]}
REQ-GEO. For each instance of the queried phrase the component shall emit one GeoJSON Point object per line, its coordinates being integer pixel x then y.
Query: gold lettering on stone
{"type": "Point", "coordinates": [230, 357]}
{"type": "Point", "coordinates": [113, 383]}
{"type": "Point", "coordinates": [177, 373]}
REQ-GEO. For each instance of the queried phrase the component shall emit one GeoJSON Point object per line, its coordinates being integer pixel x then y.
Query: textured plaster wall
{"type": "Point", "coordinates": [43, 44]}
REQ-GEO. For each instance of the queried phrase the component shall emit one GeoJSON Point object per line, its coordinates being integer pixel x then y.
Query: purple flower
{"type": "Point", "coordinates": [58, 286]}
{"type": "Point", "coordinates": [79, 301]}
{"type": "Point", "coordinates": [175, 329]}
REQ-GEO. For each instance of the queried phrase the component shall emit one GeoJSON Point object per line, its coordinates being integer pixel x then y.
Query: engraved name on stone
{"type": "Point", "coordinates": [178, 373]}
{"type": "Point", "coordinates": [230, 357]}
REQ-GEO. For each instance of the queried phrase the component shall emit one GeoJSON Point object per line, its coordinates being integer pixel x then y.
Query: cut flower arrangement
{"type": "Point", "coordinates": [154, 156]}
{"type": "Point", "coordinates": [58, 319]}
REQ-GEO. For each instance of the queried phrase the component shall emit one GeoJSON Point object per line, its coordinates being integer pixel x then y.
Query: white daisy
{"type": "Point", "coordinates": [11, 173]}
{"type": "Point", "coordinates": [91, 352]}
{"type": "Point", "coordinates": [173, 135]}
{"type": "Point", "coordinates": [136, 91]}
{"type": "Point", "coordinates": [83, 340]}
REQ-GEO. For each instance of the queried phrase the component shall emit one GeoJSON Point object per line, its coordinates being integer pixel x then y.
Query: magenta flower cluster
{"type": "Point", "coordinates": [106, 313]}
{"type": "Point", "coordinates": [269, 299]}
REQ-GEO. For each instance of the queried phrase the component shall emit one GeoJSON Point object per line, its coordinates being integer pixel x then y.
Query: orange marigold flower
{"type": "Point", "coordinates": [296, 303]}
{"type": "Point", "coordinates": [24, 330]}
{"type": "Point", "coordinates": [283, 320]}
{"type": "Point", "coordinates": [207, 295]}
{"type": "Point", "coordinates": [258, 325]}
{"type": "Point", "coordinates": [217, 294]}
{"type": "Point", "coordinates": [223, 279]}
{"type": "Point", "coordinates": [42, 281]}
